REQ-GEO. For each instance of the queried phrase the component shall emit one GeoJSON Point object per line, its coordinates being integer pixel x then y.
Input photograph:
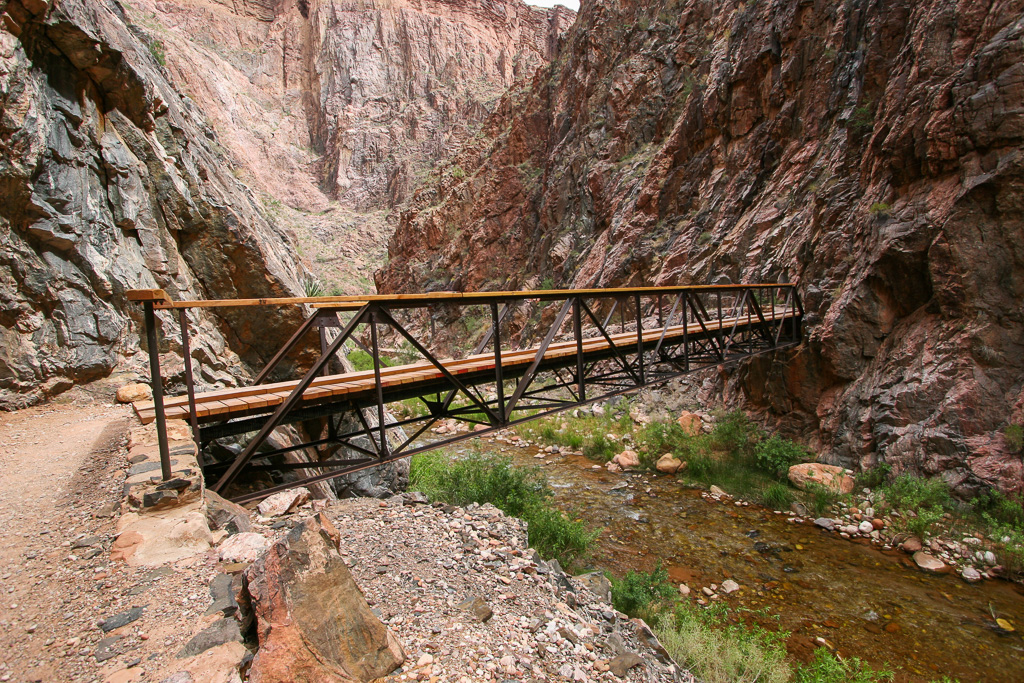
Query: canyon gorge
{"type": "Point", "coordinates": [245, 148]}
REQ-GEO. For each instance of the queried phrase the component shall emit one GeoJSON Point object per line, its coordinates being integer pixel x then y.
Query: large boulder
{"type": "Point", "coordinates": [627, 459]}
{"type": "Point", "coordinates": [669, 464]}
{"type": "Point", "coordinates": [690, 422]}
{"type": "Point", "coordinates": [130, 393]}
{"type": "Point", "coordinates": [284, 502]}
{"type": "Point", "coordinates": [314, 625]}
{"type": "Point", "coordinates": [829, 476]}
{"type": "Point", "coordinates": [223, 514]}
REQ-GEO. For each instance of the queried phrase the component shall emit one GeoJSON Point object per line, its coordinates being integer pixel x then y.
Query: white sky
{"type": "Point", "coordinates": [571, 4]}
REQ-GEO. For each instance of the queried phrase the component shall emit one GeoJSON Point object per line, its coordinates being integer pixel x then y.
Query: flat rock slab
{"type": "Point", "coordinates": [478, 608]}
{"type": "Point", "coordinates": [121, 619]}
{"type": "Point", "coordinates": [284, 502]}
{"type": "Point", "coordinates": [929, 562]}
{"type": "Point", "coordinates": [243, 547]}
{"type": "Point", "coordinates": [106, 648]}
{"type": "Point", "coordinates": [218, 633]}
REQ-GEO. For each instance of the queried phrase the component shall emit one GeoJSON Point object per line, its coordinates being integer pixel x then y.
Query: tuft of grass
{"type": "Point", "coordinates": [879, 209]}
{"type": "Point", "coordinates": [822, 498]}
{"type": "Point", "coordinates": [156, 48]}
{"type": "Point", "coordinates": [517, 491]}
{"type": "Point", "coordinates": [829, 668]}
{"type": "Point", "coordinates": [719, 652]}
{"type": "Point", "coordinates": [641, 594]}
{"type": "Point", "coordinates": [362, 361]}
{"type": "Point", "coordinates": [311, 287]}
{"type": "Point", "coordinates": [778, 496]}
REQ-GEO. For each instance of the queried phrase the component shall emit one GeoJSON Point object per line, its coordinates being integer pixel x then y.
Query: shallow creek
{"type": "Point", "coordinates": [864, 602]}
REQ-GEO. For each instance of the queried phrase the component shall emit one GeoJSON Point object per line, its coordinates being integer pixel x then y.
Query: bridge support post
{"type": "Point", "coordinates": [158, 390]}
{"type": "Point", "coordinates": [499, 380]}
{"type": "Point", "coordinates": [190, 383]}
{"type": "Point", "coordinates": [639, 339]}
{"type": "Point", "coordinates": [577, 330]}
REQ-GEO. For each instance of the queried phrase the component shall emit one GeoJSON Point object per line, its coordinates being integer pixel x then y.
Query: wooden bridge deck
{"type": "Point", "coordinates": [224, 404]}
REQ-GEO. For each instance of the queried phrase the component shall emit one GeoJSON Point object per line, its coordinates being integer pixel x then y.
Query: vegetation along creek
{"type": "Point", "coordinates": [820, 591]}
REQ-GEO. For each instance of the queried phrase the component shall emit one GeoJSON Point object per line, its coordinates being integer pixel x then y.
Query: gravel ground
{"type": "Point", "coordinates": [421, 566]}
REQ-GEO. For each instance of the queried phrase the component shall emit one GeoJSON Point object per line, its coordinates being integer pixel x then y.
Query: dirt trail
{"type": "Point", "coordinates": [61, 474]}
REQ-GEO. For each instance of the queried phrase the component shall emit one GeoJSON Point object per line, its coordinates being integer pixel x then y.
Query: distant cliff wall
{"type": "Point", "coordinates": [871, 152]}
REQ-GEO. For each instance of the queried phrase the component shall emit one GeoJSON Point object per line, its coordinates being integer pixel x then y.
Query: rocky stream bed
{"type": "Point", "coordinates": [844, 594]}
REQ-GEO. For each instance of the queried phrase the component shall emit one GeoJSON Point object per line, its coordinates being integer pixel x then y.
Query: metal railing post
{"type": "Point", "coordinates": [190, 384]}
{"type": "Point", "coordinates": [499, 377]}
{"type": "Point", "coordinates": [158, 390]}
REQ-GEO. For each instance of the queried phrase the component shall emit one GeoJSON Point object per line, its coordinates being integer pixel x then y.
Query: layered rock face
{"type": "Point", "coordinates": [112, 181]}
{"type": "Point", "coordinates": [871, 153]}
{"type": "Point", "coordinates": [332, 110]}
{"type": "Point", "coordinates": [211, 148]}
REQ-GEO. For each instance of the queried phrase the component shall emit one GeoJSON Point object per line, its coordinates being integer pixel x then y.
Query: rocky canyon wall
{"type": "Point", "coordinates": [219, 148]}
{"type": "Point", "coordinates": [334, 110]}
{"type": "Point", "coordinates": [112, 181]}
{"type": "Point", "coordinates": [869, 151]}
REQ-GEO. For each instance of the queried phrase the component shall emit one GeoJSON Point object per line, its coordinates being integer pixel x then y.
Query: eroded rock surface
{"type": "Point", "coordinates": [312, 620]}
{"type": "Point", "coordinates": [872, 154]}
{"type": "Point", "coordinates": [111, 181]}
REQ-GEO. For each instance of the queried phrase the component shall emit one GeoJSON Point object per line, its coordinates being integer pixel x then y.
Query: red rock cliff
{"type": "Point", "coordinates": [872, 152]}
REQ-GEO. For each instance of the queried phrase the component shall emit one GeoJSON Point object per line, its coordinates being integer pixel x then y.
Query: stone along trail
{"type": "Point", "coordinates": [61, 474]}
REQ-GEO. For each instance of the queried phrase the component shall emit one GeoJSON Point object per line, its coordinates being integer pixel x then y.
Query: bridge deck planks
{"type": "Point", "coordinates": [225, 402]}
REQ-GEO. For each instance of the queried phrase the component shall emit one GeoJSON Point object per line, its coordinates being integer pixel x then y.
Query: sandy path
{"type": "Point", "coordinates": [61, 474]}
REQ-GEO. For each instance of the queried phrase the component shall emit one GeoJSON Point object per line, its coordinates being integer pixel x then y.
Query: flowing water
{"type": "Point", "coordinates": [872, 604]}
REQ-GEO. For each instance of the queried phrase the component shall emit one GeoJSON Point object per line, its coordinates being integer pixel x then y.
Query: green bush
{"type": "Point", "coordinates": [1014, 436]}
{"type": "Point", "coordinates": [829, 668]}
{"type": "Point", "coordinates": [637, 593]}
{"type": "Point", "coordinates": [923, 521]}
{"type": "Point", "coordinates": [719, 652]}
{"type": "Point", "coordinates": [599, 447]}
{"type": "Point", "coordinates": [775, 454]}
{"type": "Point", "coordinates": [873, 477]}
{"type": "Point", "coordinates": [1000, 509]}
{"type": "Point", "coordinates": [909, 492]}
{"type": "Point", "coordinates": [362, 361]}
{"type": "Point", "coordinates": [518, 491]}
{"type": "Point", "coordinates": [734, 433]}
{"type": "Point", "coordinates": [777, 496]}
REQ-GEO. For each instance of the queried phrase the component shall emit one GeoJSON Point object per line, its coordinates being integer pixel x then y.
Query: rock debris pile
{"type": "Point", "coordinates": [469, 601]}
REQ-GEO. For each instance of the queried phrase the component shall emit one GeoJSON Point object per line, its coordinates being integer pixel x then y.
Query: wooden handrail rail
{"type": "Point", "coordinates": [162, 301]}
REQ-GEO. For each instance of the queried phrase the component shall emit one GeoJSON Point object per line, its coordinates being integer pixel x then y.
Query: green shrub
{"type": "Point", "coordinates": [518, 491]}
{"type": "Point", "coordinates": [638, 592]}
{"type": "Point", "coordinates": [777, 496]}
{"type": "Point", "coordinates": [999, 509]}
{"type": "Point", "coordinates": [909, 492]}
{"type": "Point", "coordinates": [775, 454]}
{"type": "Point", "coordinates": [873, 477]}
{"type": "Point", "coordinates": [879, 209]}
{"type": "Point", "coordinates": [829, 668]}
{"type": "Point", "coordinates": [362, 361]}
{"type": "Point", "coordinates": [1010, 544]}
{"type": "Point", "coordinates": [923, 521]}
{"type": "Point", "coordinates": [1014, 436]}
{"type": "Point", "coordinates": [458, 173]}
{"type": "Point", "coordinates": [735, 434]}
{"type": "Point", "coordinates": [717, 652]}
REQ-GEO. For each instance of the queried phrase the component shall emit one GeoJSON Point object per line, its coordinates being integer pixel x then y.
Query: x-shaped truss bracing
{"type": "Point", "coordinates": [578, 360]}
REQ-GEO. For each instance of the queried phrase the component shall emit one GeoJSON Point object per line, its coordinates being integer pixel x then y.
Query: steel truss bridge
{"type": "Point", "coordinates": [663, 333]}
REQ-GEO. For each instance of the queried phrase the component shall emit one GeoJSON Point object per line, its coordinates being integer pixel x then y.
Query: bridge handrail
{"type": "Point", "coordinates": [162, 301]}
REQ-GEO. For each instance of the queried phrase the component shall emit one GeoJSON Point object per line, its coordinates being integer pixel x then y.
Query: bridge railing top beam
{"type": "Point", "coordinates": [161, 300]}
